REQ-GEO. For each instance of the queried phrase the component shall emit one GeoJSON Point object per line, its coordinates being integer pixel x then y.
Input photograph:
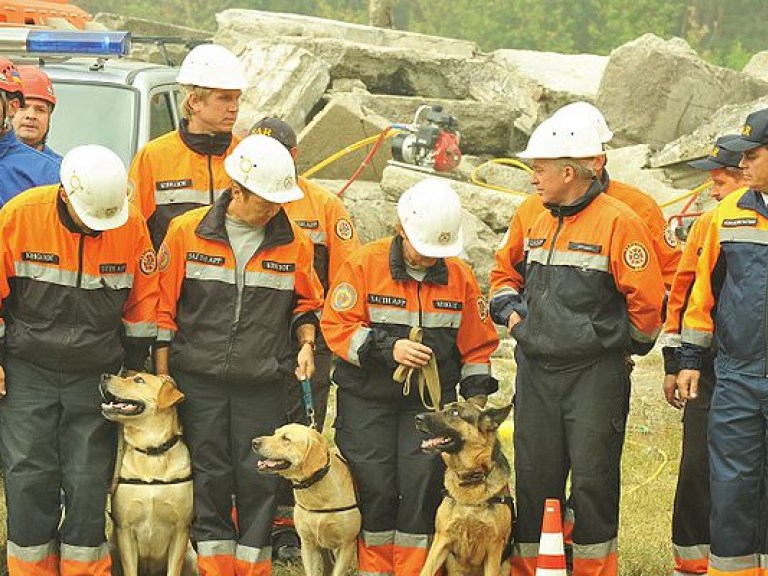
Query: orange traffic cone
{"type": "Point", "coordinates": [551, 561]}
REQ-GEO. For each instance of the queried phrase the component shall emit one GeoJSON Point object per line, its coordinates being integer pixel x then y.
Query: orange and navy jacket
{"type": "Point", "coordinates": [681, 292]}
{"type": "Point", "coordinates": [373, 302]}
{"type": "Point", "coordinates": [591, 284]}
{"type": "Point", "coordinates": [322, 215]}
{"type": "Point", "coordinates": [730, 288]}
{"type": "Point", "coordinates": [73, 301]}
{"type": "Point", "coordinates": [177, 172]}
{"type": "Point", "coordinates": [198, 295]}
{"type": "Point", "coordinates": [509, 266]}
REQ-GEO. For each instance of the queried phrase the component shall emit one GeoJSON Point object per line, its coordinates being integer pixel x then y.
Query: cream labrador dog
{"type": "Point", "coordinates": [327, 516]}
{"type": "Point", "coordinates": [152, 503]}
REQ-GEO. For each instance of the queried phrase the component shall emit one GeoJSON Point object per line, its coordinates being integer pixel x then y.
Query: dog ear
{"type": "Point", "coordinates": [493, 417]}
{"type": "Point", "coordinates": [317, 452]}
{"type": "Point", "coordinates": [168, 395]}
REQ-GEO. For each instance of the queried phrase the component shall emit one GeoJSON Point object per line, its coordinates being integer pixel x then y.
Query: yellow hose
{"type": "Point", "coordinates": [653, 477]}
{"type": "Point", "coordinates": [694, 192]}
{"type": "Point", "coordinates": [344, 151]}
{"type": "Point", "coordinates": [506, 162]}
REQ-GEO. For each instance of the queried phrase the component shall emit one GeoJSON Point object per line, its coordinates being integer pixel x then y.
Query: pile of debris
{"type": "Point", "coordinates": [338, 83]}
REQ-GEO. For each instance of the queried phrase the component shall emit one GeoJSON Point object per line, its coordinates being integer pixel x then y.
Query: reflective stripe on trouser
{"type": "Point", "coordinates": [321, 384]}
{"type": "Point", "coordinates": [749, 565]}
{"type": "Point", "coordinates": [53, 437]}
{"type": "Point", "coordinates": [400, 487]}
{"type": "Point", "coordinates": [570, 420]}
{"type": "Point", "coordinates": [220, 419]}
{"type": "Point", "coordinates": [690, 517]}
{"type": "Point", "coordinates": [737, 449]}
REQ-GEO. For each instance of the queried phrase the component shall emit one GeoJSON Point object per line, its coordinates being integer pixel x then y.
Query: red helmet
{"type": "Point", "coordinates": [37, 84]}
{"type": "Point", "coordinates": [10, 79]}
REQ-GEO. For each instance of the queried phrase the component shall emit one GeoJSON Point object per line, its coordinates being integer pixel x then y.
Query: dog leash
{"type": "Point", "coordinates": [427, 377]}
{"type": "Point", "coordinates": [309, 407]}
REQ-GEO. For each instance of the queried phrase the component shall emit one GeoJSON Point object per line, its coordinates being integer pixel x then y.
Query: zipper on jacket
{"type": "Point", "coordinates": [554, 239]}
{"type": "Point", "coordinates": [765, 330]}
{"type": "Point", "coordinates": [80, 251]}
{"type": "Point", "coordinates": [418, 299]}
{"type": "Point", "coordinates": [210, 180]}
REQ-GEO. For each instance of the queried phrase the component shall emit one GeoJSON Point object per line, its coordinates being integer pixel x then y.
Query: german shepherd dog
{"type": "Point", "coordinates": [473, 525]}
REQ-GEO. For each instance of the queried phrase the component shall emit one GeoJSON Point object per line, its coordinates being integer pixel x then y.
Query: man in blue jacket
{"type": "Point", "coordinates": [21, 167]}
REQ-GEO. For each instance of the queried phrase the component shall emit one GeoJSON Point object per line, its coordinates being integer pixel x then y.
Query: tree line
{"type": "Point", "coordinates": [725, 33]}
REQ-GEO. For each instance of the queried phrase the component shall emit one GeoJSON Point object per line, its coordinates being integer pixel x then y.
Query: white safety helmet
{"type": "Point", "coordinates": [212, 66]}
{"type": "Point", "coordinates": [564, 137]}
{"type": "Point", "coordinates": [265, 167]}
{"type": "Point", "coordinates": [590, 113]}
{"type": "Point", "coordinates": [430, 214]}
{"type": "Point", "coordinates": [96, 184]}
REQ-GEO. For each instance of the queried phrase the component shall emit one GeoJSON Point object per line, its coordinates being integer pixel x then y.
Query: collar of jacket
{"type": "Point", "coordinates": [437, 274]}
{"type": "Point", "coordinates": [594, 190]}
{"type": "Point", "coordinates": [205, 144]}
{"type": "Point", "coordinates": [67, 221]}
{"type": "Point", "coordinates": [753, 200]}
{"type": "Point", "coordinates": [213, 226]}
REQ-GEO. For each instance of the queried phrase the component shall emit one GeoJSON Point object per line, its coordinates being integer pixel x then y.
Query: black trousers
{"type": "Point", "coordinates": [570, 420]}
{"type": "Point", "coordinates": [220, 420]}
{"type": "Point", "coordinates": [54, 438]}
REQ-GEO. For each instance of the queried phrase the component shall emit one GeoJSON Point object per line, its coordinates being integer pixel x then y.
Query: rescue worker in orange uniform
{"type": "Point", "coordinates": [322, 215]}
{"type": "Point", "coordinates": [510, 258]}
{"type": "Point", "coordinates": [383, 294]}
{"type": "Point", "coordinates": [21, 167]}
{"type": "Point", "coordinates": [593, 291]}
{"type": "Point", "coordinates": [78, 286]}
{"type": "Point", "coordinates": [33, 120]}
{"type": "Point", "coordinates": [184, 169]}
{"type": "Point", "coordinates": [238, 296]}
{"type": "Point", "coordinates": [690, 518]}
{"type": "Point", "coordinates": [728, 306]}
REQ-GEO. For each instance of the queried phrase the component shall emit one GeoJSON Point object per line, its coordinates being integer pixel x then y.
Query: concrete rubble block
{"type": "Point", "coordinates": [373, 214]}
{"type": "Point", "coordinates": [727, 120]}
{"type": "Point", "coordinates": [506, 177]}
{"type": "Point", "coordinates": [480, 243]}
{"type": "Point", "coordinates": [538, 83]}
{"type": "Point", "coordinates": [485, 128]}
{"type": "Point", "coordinates": [238, 25]}
{"type": "Point", "coordinates": [342, 123]}
{"type": "Point", "coordinates": [757, 67]}
{"type": "Point", "coordinates": [149, 52]}
{"type": "Point", "coordinates": [629, 165]}
{"type": "Point", "coordinates": [283, 81]}
{"type": "Point", "coordinates": [494, 208]}
{"type": "Point", "coordinates": [654, 91]}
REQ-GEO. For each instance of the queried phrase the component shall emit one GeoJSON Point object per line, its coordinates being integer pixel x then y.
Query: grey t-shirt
{"type": "Point", "coordinates": [245, 240]}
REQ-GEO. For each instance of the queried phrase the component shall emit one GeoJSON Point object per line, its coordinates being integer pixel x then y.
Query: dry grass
{"type": "Point", "coordinates": [647, 494]}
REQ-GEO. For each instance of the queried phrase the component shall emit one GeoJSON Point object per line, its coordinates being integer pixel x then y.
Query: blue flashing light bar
{"type": "Point", "coordinates": [78, 42]}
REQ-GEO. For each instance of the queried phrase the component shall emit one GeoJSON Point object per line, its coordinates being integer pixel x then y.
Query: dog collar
{"type": "Point", "coordinates": [157, 450]}
{"type": "Point", "coordinates": [153, 482]}
{"type": "Point", "coordinates": [314, 478]}
{"type": "Point", "coordinates": [473, 479]}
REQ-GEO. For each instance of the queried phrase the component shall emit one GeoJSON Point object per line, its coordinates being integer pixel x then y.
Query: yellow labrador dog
{"type": "Point", "coordinates": [152, 504]}
{"type": "Point", "coordinates": [327, 517]}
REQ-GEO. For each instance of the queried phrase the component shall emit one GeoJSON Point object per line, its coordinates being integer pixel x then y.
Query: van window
{"type": "Point", "coordinates": [94, 114]}
{"type": "Point", "coordinates": [161, 119]}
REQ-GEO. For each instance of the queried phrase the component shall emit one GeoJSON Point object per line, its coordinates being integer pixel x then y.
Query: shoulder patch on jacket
{"type": "Point", "coordinates": [278, 266]}
{"type": "Point", "coordinates": [635, 256]}
{"type": "Point", "coordinates": [344, 297]}
{"type": "Point", "coordinates": [163, 257]}
{"type": "Point", "coordinates": [148, 262]}
{"type": "Point", "coordinates": [482, 308]}
{"type": "Point", "coordinates": [584, 247]}
{"type": "Point", "coordinates": [384, 300]}
{"type": "Point", "coordinates": [669, 236]}
{"type": "Point", "coordinates": [737, 222]}
{"type": "Point", "coordinates": [205, 259]}
{"type": "Point", "coordinates": [344, 229]}
{"type": "Point", "coordinates": [43, 257]}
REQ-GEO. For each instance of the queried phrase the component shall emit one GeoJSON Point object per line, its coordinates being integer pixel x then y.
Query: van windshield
{"type": "Point", "coordinates": [94, 114]}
